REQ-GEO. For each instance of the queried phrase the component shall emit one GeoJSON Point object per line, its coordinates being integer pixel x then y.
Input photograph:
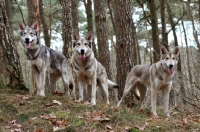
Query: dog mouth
{"type": "Point", "coordinates": [170, 69]}
{"type": "Point", "coordinates": [82, 55]}
{"type": "Point", "coordinates": [28, 44]}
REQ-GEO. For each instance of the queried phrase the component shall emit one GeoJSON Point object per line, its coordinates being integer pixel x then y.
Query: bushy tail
{"type": "Point", "coordinates": [136, 93]}
{"type": "Point", "coordinates": [112, 84]}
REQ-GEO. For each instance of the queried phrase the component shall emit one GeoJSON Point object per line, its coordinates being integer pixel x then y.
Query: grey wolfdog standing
{"type": "Point", "coordinates": [157, 77]}
{"type": "Point", "coordinates": [44, 61]}
{"type": "Point", "coordinates": [88, 70]}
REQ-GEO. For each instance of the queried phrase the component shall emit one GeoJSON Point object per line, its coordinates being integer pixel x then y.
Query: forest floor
{"type": "Point", "coordinates": [22, 112]}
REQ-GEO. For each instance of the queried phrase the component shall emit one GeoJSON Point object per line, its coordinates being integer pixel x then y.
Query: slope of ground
{"type": "Point", "coordinates": [21, 112]}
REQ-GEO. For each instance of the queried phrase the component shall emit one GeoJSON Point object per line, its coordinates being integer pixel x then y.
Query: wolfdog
{"type": "Point", "coordinates": [45, 62]}
{"type": "Point", "coordinates": [157, 77]}
{"type": "Point", "coordinates": [88, 70]}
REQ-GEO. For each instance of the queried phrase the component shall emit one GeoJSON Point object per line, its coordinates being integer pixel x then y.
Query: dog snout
{"type": "Point", "coordinates": [27, 40]}
{"type": "Point", "coordinates": [82, 51]}
{"type": "Point", "coordinates": [170, 65]}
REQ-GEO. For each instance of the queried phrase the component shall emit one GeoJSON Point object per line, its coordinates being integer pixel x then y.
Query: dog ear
{"type": "Point", "coordinates": [89, 36]}
{"type": "Point", "coordinates": [21, 26]}
{"type": "Point", "coordinates": [75, 36]}
{"type": "Point", "coordinates": [35, 25]}
{"type": "Point", "coordinates": [163, 50]}
{"type": "Point", "coordinates": [176, 50]}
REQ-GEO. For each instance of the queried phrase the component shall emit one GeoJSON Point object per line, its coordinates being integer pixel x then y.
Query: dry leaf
{"type": "Point", "coordinates": [57, 102]}
{"type": "Point", "coordinates": [55, 128]}
{"type": "Point", "coordinates": [184, 121]}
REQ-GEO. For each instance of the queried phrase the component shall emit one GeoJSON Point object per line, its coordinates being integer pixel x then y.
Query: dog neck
{"type": "Point", "coordinates": [32, 54]}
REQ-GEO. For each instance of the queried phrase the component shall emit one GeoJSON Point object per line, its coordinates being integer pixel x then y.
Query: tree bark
{"type": "Point", "coordinates": [10, 72]}
{"type": "Point", "coordinates": [75, 17]}
{"type": "Point", "coordinates": [164, 34]}
{"type": "Point", "coordinates": [47, 37]}
{"type": "Point", "coordinates": [155, 34]}
{"type": "Point", "coordinates": [33, 12]}
{"type": "Point", "coordinates": [88, 8]}
{"type": "Point", "coordinates": [136, 49]}
{"type": "Point", "coordinates": [102, 35]}
{"type": "Point", "coordinates": [8, 12]}
{"type": "Point", "coordinates": [183, 91]}
{"type": "Point", "coordinates": [124, 41]}
{"type": "Point", "coordinates": [66, 28]}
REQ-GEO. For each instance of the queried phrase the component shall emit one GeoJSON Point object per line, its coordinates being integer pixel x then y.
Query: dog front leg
{"type": "Point", "coordinates": [166, 100]}
{"type": "Point", "coordinates": [42, 80]}
{"type": "Point", "coordinates": [94, 89]}
{"type": "Point", "coordinates": [81, 87]}
{"type": "Point", "coordinates": [153, 100]}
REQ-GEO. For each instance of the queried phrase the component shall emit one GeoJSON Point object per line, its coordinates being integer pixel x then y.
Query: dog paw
{"type": "Point", "coordinates": [167, 114]}
{"type": "Point", "coordinates": [80, 100]}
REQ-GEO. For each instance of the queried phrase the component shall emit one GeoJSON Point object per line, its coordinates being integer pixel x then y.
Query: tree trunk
{"type": "Point", "coordinates": [33, 12]}
{"type": "Point", "coordinates": [124, 41]}
{"type": "Point", "coordinates": [172, 94]}
{"type": "Point", "coordinates": [183, 91]}
{"type": "Point", "coordinates": [75, 15]}
{"type": "Point", "coordinates": [102, 35]}
{"type": "Point", "coordinates": [66, 28]}
{"type": "Point", "coordinates": [10, 72]}
{"type": "Point", "coordinates": [8, 12]}
{"type": "Point", "coordinates": [88, 8]}
{"type": "Point", "coordinates": [136, 49]}
{"type": "Point", "coordinates": [162, 14]}
{"type": "Point", "coordinates": [195, 34]}
{"type": "Point", "coordinates": [33, 15]}
{"type": "Point", "coordinates": [47, 37]}
{"type": "Point", "coordinates": [155, 34]}
{"type": "Point", "coordinates": [75, 19]}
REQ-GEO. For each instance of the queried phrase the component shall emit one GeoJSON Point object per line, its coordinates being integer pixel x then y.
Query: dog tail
{"type": "Point", "coordinates": [136, 93]}
{"type": "Point", "coordinates": [112, 84]}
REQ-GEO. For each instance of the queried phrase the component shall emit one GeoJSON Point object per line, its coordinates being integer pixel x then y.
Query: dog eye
{"type": "Point", "coordinates": [31, 33]}
{"type": "Point", "coordinates": [166, 58]}
{"type": "Point", "coordinates": [173, 58]}
{"type": "Point", "coordinates": [85, 43]}
{"type": "Point", "coordinates": [24, 33]}
{"type": "Point", "coordinates": [78, 43]}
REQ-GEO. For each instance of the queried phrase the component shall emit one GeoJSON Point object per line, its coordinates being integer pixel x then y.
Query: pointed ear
{"type": "Point", "coordinates": [35, 25]}
{"type": "Point", "coordinates": [75, 36]}
{"type": "Point", "coordinates": [163, 50]}
{"type": "Point", "coordinates": [176, 50]}
{"type": "Point", "coordinates": [21, 26]}
{"type": "Point", "coordinates": [89, 36]}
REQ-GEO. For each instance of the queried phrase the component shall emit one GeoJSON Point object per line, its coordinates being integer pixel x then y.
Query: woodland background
{"type": "Point", "coordinates": [126, 33]}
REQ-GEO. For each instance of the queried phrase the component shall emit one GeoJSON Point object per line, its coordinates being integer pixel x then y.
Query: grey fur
{"type": "Point", "coordinates": [45, 62]}
{"type": "Point", "coordinates": [88, 70]}
{"type": "Point", "coordinates": [156, 77]}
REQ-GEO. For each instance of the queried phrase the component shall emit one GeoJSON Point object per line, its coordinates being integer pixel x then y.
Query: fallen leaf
{"type": "Point", "coordinates": [184, 121]}
{"type": "Point", "coordinates": [55, 128]}
{"type": "Point", "coordinates": [141, 111]}
{"type": "Point", "coordinates": [57, 102]}
{"type": "Point", "coordinates": [196, 120]}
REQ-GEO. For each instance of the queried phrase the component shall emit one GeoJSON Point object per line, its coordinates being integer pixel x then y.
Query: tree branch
{"type": "Point", "coordinates": [20, 12]}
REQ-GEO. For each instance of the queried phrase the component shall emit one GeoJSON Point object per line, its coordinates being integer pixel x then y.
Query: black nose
{"type": "Point", "coordinates": [27, 40]}
{"type": "Point", "coordinates": [170, 66]}
{"type": "Point", "coordinates": [82, 51]}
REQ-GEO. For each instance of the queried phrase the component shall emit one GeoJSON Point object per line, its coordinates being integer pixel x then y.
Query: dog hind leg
{"type": "Point", "coordinates": [65, 80]}
{"type": "Point", "coordinates": [142, 91]}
